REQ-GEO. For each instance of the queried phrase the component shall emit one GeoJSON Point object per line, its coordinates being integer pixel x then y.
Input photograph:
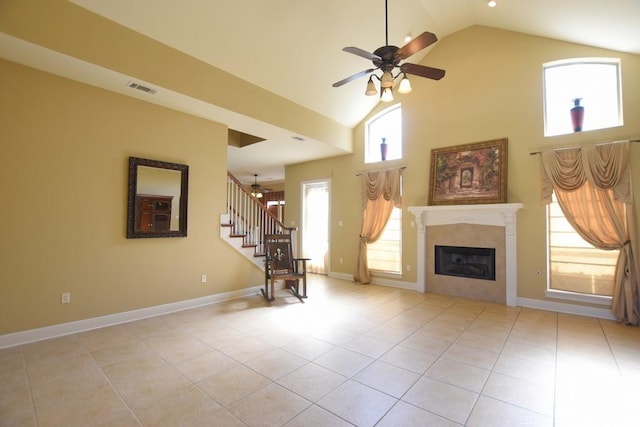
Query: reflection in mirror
{"type": "Point", "coordinates": [157, 199]}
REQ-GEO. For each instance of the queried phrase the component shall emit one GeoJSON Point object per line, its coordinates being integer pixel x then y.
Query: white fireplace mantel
{"type": "Point", "coordinates": [503, 215]}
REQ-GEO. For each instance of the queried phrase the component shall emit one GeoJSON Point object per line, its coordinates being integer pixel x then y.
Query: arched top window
{"type": "Point", "coordinates": [593, 83]}
{"type": "Point", "coordinates": [387, 126]}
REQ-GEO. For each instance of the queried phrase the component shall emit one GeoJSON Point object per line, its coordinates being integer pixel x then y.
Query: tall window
{"type": "Point", "coordinates": [385, 254]}
{"type": "Point", "coordinates": [386, 125]}
{"type": "Point", "coordinates": [576, 266]}
{"type": "Point", "coordinates": [595, 82]}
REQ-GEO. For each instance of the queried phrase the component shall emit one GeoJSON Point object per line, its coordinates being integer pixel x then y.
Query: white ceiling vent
{"type": "Point", "coordinates": [143, 88]}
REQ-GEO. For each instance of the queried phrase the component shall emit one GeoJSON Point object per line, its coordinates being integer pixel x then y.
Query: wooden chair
{"type": "Point", "coordinates": [280, 265]}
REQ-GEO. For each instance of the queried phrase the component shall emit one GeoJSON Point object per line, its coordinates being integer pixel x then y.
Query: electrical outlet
{"type": "Point", "coordinates": [203, 278]}
{"type": "Point", "coordinates": [408, 267]}
{"type": "Point", "coordinates": [341, 260]}
{"type": "Point", "coordinates": [65, 298]}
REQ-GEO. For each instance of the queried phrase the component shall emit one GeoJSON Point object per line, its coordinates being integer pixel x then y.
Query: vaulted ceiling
{"type": "Point", "coordinates": [293, 48]}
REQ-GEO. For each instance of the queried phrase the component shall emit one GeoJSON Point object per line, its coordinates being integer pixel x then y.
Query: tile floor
{"type": "Point", "coordinates": [351, 355]}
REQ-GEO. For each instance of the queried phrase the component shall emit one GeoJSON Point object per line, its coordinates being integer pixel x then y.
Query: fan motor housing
{"type": "Point", "coordinates": [388, 60]}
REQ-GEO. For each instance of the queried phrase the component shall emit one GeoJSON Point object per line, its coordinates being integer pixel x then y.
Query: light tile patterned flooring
{"type": "Point", "coordinates": [351, 355]}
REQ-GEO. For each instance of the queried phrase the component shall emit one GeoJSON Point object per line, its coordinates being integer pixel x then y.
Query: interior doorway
{"type": "Point", "coordinates": [315, 225]}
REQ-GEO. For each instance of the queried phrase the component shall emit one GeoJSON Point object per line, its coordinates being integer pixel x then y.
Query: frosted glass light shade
{"type": "Point", "coordinates": [405, 85]}
{"type": "Point", "coordinates": [387, 95]}
{"type": "Point", "coordinates": [371, 88]}
{"type": "Point", "coordinates": [386, 80]}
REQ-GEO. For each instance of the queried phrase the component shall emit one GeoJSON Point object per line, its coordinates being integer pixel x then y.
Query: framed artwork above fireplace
{"type": "Point", "coordinates": [469, 174]}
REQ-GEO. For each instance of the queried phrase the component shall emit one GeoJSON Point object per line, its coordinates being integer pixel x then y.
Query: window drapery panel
{"type": "Point", "coordinates": [593, 188]}
{"type": "Point", "coordinates": [380, 193]}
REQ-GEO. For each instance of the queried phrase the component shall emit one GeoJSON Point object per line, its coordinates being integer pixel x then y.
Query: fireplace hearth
{"type": "Point", "coordinates": [461, 261]}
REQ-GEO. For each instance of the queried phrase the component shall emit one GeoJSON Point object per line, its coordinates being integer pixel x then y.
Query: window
{"type": "Point", "coordinates": [595, 81]}
{"type": "Point", "coordinates": [575, 266]}
{"type": "Point", "coordinates": [388, 125]}
{"type": "Point", "coordinates": [384, 255]}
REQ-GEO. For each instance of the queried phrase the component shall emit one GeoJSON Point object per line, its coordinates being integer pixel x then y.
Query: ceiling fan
{"type": "Point", "coordinates": [387, 58]}
{"type": "Point", "coordinates": [256, 189]}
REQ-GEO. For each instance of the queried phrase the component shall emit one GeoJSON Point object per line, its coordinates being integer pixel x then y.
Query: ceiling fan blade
{"type": "Point", "coordinates": [353, 77]}
{"type": "Point", "coordinates": [422, 71]}
{"type": "Point", "coordinates": [362, 53]}
{"type": "Point", "coordinates": [423, 40]}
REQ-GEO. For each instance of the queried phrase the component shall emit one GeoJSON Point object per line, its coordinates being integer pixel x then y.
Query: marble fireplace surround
{"type": "Point", "coordinates": [500, 215]}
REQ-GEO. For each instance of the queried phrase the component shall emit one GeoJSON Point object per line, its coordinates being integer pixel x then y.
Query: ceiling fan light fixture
{"type": "Point", "coordinates": [371, 88]}
{"type": "Point", "coordinates": [386, 95]}
{"type": "Point", "coordinates": [405, 85]}
{"type": "Point", "coordinates": [387, 58]}
{"type": "Point", "coordinates": [386, 81]}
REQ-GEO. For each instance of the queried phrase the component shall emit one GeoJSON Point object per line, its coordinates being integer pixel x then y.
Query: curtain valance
{"type": "Point", "coordinates": [385, 184]}
{"type": "Point", "coordinates": [603, 166]}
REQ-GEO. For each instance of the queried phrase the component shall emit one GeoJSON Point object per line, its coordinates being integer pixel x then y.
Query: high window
{"type": "Point", "coordinates": [594, 82]}
{"type": "Point", "coordinates": [577, 270]}
{"type": "Point", "coordinates": [387, 126]}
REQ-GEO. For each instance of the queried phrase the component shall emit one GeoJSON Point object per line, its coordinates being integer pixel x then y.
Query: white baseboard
{"type": "Point", "coordinates": [341, 276]}
{"type": "Point", "coordinates": [560, 307]}
{"type": "Point", "coordinates": [377, 281]}
{"type": "Point", "coordinates": [411, 286]}
{"type": "Point", "coordinates": [32, 335]}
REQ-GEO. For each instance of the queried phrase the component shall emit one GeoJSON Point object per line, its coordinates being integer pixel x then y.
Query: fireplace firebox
{"type": "Point", "coordinates": [474, 263]}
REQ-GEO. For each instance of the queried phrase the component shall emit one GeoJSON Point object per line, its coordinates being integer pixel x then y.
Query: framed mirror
{"type": "Point", "coordinates": [157, 205]}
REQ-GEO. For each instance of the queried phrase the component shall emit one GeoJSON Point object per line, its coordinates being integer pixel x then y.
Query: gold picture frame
{"type": "Point", "coordinates": [469, 174]}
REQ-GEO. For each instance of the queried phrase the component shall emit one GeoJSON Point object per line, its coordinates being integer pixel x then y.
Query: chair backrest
{"type": "Point", "coordinates": [279, 253]}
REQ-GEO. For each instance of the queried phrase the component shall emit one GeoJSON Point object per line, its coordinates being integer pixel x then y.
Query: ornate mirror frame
{"type": "Point", "coordinates": [156, 205]}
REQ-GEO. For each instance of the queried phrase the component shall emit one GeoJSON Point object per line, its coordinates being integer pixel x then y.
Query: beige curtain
{"type": "Point", "coordinates": [380, 193]}
{"type": "Point", "coordinates": [593, 188]}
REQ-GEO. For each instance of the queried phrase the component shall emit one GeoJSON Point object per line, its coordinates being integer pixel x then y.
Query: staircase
{"type": "Point", "coordinates": [246, 222]}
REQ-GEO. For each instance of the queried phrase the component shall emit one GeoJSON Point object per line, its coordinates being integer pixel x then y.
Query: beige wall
{"type": "Point", "coordinates": [492, 89]}
{"type": "Point", "coordinates": [65, 149]}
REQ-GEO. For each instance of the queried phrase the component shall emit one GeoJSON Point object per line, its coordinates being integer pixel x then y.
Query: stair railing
{"type": "Point", "coordinates": [249, 218]}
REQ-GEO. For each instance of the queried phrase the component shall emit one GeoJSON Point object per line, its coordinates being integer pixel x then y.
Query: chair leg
{"type": "Point", "coordinates": [265, 291]}
{"type": "Point", "coordinates": [304, 286]}
{"type": "Point", "coordinates": [294, 286]}
{"type": "Point", "coordinates": [273, 295]}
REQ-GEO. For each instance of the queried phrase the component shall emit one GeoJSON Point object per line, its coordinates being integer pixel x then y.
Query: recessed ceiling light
{"type": "Point", "coordinates": [407, 38]}
{"type": "Point", "coordinates": [492, 3]}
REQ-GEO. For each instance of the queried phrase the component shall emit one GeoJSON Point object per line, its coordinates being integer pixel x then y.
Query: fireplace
{"type": "Point", "coordinates": [471, 226]}
{"type": "Point", "coordinates": [462, 261]}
